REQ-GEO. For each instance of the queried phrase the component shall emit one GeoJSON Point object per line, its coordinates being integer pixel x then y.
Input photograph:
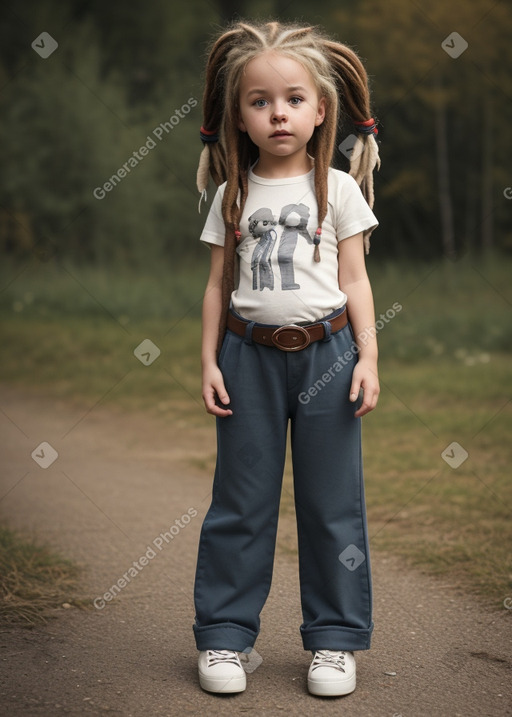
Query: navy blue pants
{"type": "Point", "coordinates": [270, 389]}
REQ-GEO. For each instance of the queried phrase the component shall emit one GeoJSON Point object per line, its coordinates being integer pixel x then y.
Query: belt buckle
{"type": "Point", "coordinates": [296, 333]}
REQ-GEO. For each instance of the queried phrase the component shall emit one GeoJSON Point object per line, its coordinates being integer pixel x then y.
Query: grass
{"type": "Point", "coordinates": [49, 290]}
{"type": "Point", "coordinates": [451, 522]}
{"type": "Point", "coordinates": [445, 372]}
{"type": "Point", "coordinates": [34, 580]}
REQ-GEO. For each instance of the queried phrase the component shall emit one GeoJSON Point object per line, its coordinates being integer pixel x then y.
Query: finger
{"type": "Point", "coordinates": [222, 404]}
{"type": "Point", "coordinates": [209, 400]}
{"type": "Point", "coordinates": [355, 389]}
{"type": "Point", "coordinates": [363, 410]}
{"type": "Point", "coordinates": [222, 396]}
{"type": "Point", "coordinates": [213, 404]}
{"type": "Point", "coordinates": [368, 404]}
{"type": "Point", "coordinates": [220, 412]}
{"type": "Point", "coordinates": [215, 410]}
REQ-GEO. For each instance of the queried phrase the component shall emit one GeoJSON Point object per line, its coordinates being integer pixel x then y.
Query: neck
{"type": "Point", "coordinates": [272, 167]}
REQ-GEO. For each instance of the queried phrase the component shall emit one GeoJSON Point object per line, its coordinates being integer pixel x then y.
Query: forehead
{"type": "Point", "coordinates": [272, 69]}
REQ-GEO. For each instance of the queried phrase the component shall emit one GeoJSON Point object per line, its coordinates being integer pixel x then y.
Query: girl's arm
{"type": "Point", "coordinates": [353, 280]}
{"type": "Point", "coordinates": [213, 382]}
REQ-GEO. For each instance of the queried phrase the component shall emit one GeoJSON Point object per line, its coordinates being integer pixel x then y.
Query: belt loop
{"type": "Point", "coordinates": [327, 330]}
{"type": "Point", "coordinates": [248, 332]}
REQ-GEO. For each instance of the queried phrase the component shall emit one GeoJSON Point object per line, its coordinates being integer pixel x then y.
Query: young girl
{"type": "Point", "coordinates": [287, 298]}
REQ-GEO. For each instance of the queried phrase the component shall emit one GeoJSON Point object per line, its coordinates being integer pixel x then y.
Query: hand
{"type": "Point", "coordinates": [213, 387]}
{"type": "Point", "coordinates": [365, 376]}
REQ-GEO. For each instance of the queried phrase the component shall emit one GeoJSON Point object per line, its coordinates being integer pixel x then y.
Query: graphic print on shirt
{"type": "Point", "coordinates": [294, 219]}
{"type": "Point", "coordinates": [261, 224]}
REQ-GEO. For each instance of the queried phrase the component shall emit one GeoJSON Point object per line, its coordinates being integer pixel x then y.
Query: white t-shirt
{"type": "Point", "coordinates": [277, 280]}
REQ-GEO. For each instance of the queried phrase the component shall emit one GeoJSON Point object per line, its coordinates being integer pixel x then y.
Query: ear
{"type": "Point", "coordinates": [320, 113]}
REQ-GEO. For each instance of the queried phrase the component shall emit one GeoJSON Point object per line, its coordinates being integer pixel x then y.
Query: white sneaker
{"type": "Point", "coordinates": [332, 673]}
{"type": "Point", "coordinates": [221, 671]}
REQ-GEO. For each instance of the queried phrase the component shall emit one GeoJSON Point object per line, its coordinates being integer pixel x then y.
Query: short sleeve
{"type": "Point", "coordinates": [351, 212]}
{"type": "Point", "coordinates": [214, 231]}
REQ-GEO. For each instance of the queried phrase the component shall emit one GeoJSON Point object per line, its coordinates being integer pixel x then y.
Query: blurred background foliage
{"type": "Point", "coordinates": [69, 122]}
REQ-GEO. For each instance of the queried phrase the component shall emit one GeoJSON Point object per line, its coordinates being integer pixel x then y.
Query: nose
{"type": "Point", "coordinates": [279, 114]}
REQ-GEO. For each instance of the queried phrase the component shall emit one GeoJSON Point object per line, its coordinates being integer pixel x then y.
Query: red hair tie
{"type": "Point", "coordinates": [367, 126]}
{"type": "Point", "coordinates": [208, 135]}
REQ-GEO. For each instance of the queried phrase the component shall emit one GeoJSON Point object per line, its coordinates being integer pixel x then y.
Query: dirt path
{"type": "Point", "coordinates": [119, 482]}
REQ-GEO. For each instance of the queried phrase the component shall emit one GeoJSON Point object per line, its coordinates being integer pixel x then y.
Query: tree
{"type": "Point", "coordinates": [436, 109]}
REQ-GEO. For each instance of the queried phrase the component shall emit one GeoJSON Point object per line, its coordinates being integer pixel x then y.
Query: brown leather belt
{"type": "Point", "coordinates": [287, 338]}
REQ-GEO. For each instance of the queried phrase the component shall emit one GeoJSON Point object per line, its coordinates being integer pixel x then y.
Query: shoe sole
{"type": "Point", "coordinates": [331, 689]}
{"type": "Point", "coordinates": [223, 686]}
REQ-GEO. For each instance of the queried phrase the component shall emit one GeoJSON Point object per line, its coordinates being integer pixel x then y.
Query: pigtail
{"type": "Point", "coordinates": [212, 160]}
{"type": "Point", "coordinates": [352, 85]}
{"type": "Point", "coordinates": [221, 157]}
{"type": "Point", "coordinates": [233, 203]}
{"type": "Point", "coordinates": [321, 147]}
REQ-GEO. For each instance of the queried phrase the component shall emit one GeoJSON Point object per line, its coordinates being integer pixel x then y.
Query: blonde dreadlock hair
{"type": "Point", "coordinates": [339, 76]}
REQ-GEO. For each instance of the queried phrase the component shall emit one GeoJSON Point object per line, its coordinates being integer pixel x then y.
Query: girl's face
{"type": "Point", "coordinates": [279, 105]}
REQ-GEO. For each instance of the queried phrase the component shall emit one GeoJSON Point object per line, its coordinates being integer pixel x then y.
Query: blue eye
{"type": "Point", "coordinates": [260, 103]}
{"type": "Point", "coordinates": [295, 100]}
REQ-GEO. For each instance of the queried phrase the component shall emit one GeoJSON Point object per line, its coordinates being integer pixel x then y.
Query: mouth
{"type": "Point", "coordinates": [281, 133]}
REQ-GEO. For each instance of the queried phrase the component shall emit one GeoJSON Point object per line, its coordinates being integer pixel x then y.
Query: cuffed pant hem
{"type": "Point", "coordinates": [336, 638]}
{"type": "Point", "coordinates": [224, 636]}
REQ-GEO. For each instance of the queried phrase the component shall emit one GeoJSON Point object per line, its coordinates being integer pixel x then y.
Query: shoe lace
{"type": "Point", "coordinates": [329, 658]}
{"type": "Point", "coordinates": [222, 656]}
